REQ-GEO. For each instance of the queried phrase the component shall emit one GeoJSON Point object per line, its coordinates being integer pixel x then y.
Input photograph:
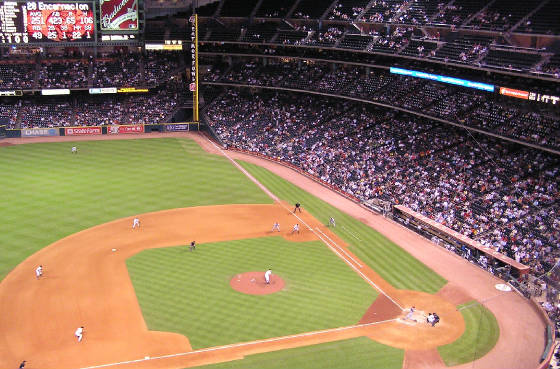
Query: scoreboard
{"type": "Point", "coordinates": [27, 22]}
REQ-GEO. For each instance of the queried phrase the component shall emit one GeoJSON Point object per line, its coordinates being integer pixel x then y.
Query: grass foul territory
{"type": "Point", "coordinates": [189, 292]}
{"type": "Point", "coordinates": [49, 193]}
{"type": "Point", "coordinates": [480, 336]}
{"type": "Point", "coordinates": [393, 263]}
{"type": "Point", "coordinates": [355, 353]}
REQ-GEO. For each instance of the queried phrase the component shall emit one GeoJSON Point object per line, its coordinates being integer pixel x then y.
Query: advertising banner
{"type": "Point", "coordinates": [514, 93]}
{"type": "Point", "coordinates": [119, 15]}
{"type": "Point", "coordinates": [79, 131]}
{"type": "Point", "coordinates": [176, 127]}
{"type": "Point", "coordinates": [38, 132]}
{"type": "Point", "coordinates": [103, 90]}
{"type": "Point", "coordinates": [125, 129]}
{"type": "Point", "coordinates": [55, 91]}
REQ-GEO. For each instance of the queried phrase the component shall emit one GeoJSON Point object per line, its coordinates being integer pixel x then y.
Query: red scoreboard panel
{"type": "Point", "coordinates": [46, 22]}
{"type": "Point", "coordinates": [119, 15]}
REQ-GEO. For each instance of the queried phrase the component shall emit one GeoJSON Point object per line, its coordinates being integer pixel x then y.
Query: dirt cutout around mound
{"type": "Point", "coordinates": [253, 283]}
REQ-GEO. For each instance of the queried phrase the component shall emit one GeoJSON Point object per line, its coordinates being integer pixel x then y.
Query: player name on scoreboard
{"type": "Point", "coordinates": [46, 21]}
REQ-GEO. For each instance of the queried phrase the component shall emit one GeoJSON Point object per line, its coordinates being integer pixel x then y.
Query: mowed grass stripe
{"type": "Point", "coordinates": [49, 193]}
{"type": "Point", "coordinates": [393, 263]}
{"type": "Point", "coordinates": [481, 334]}
{"type": "Point", "coordinates": [355, 353]}
{"type": "Point", "coordinates": [189, 292]}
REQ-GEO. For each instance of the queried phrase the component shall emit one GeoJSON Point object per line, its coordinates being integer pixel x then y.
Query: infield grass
{"type": "Point", "coordinates": [355, 353]}
{"type": "Point", "coordinates": [480, 336]}
{"type": "Point", "coordinates": [189, 292]}
{"type": "Point", "coordinates": [48, 193]}
{"type": "Point", "coordinates": [393, 263]}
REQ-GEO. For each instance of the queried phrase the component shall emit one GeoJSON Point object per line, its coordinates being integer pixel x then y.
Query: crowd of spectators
{"type": "Point", "coordinates": [81, 72]}
{"type": "Point", "coordinates": [157, 106]}
{"type": "Point", "coordinates": [459, 105]}
{"type": "Point", "coordinates": [503, 195]}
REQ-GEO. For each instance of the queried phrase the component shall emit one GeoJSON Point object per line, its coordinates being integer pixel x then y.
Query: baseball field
{"type": "Point", "coordinates": [147, 301]}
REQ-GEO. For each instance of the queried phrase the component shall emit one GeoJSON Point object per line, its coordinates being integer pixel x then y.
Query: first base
{"type": "Point", "coordinates": [146, 357]}
{"type": "Point", "coordinates": [113, 250]}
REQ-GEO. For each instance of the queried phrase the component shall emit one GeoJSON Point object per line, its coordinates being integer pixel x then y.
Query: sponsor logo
{"type": "Point", "coordinates": [176, 127]}
{"type": "Point", "coordinates": [78, 131]}
{"type": "Point", "coordinates": [35, 132]}
{"type": "Point", "coordinates": [514, 93]}
{"type": "Point", "coordinates": [125, 129]}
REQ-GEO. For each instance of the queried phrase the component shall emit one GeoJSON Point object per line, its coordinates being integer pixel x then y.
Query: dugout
{"type": "Point", "coordinates": [462, 243]}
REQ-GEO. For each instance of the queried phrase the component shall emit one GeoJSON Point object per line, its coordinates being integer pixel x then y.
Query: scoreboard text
{"type": "Point", "coordinates": [46, 21]}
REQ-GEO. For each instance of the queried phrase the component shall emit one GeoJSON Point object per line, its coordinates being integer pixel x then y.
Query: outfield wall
{"type": "Point", "coordinates": [102, 130]}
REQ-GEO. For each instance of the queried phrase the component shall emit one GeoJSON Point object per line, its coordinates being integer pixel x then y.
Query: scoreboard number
{"type": "Point", "coordinates": [46, 21]}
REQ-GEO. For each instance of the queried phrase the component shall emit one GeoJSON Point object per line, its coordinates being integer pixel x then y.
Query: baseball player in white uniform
{"type": "Point", "coordinates": [79, 333]}
{"type": "Point", "coordinates": [296, 228]}
{"type": "Point", "coordinates": [267, 275]}
{"type": "Point", "coordinates": [39, 271]}
{"type": "Point", "coordinates": [74, 150]}
{"type": "Point", "coordinates": [136, 223]}
{"type": "Point", "coordinates": [332, 222]}
{"type": "Point", "coordinates": [276, 227]}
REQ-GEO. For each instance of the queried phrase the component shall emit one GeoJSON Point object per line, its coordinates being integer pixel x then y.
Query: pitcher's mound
{"type": "Point", "coordinates": [253, 283]}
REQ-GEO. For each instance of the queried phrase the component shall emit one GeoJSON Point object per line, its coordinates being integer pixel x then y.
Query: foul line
{"type": "Point", "coordinates": [308, 227]}
{"type": "Point", "coordinates": [260, 185]}
{"type": "Point", "coordinates": [236, 345]}
{"type": "Point", "coordinates": [353, 235]}
{"type": "Point", "coordinates": [340, 248]}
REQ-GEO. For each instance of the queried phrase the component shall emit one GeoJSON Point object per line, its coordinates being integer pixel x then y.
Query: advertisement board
{"type": "Point", "coordinates": [114, 130]}
{"type": "Point", "coordinates": [176, 127]}
{"type": "Point", "coordinates": [514, 93]}
{"type": "Point", "coordinates": [443, 79]}
{"type": "Point", "coordinates": [38, 132]}
{"type": "Point", "coordinates": [79, 131]}
{"type": "Point", "coordinates": [119, 15]}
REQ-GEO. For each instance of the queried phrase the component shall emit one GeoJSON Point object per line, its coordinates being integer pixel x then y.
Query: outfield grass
{"type": "Point", "coordinates": [480, 336]}
{"type": "Point", "coordinates": [355, 353]}
{"type": "Point", "coordinates": [48, 193]}
{"type": "Point", "coordinates": [393, 263]}
{"type": "Point", "coordinates": [189, 292]}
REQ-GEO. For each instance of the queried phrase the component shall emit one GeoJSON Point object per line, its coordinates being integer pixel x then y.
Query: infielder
{"type": "Point", "coordinates": [296, 228]}
{"type": "Point", "coordinates": [39, 272]}
{"type": "Point", "coordinates": [74, 150]}
{"type": "Point", "coordinates": [276, 227]}
{"type": "Point", "coordinates": [267, 275]}
{"type": "Point", "coordinates": [136, 223]}
{"type": "Point", "coordinates": [192, 247]}
{"type": "Point", "coordinates": [332, 222]}
{"type": "Point", "coordinates": [79, 333]}
{"type": "Point", "coordinates": [297, 207]}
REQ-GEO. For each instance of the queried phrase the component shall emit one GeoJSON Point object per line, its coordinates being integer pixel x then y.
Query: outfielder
{"type": "Point", "coordinates": [296, 228]}
{"type": "Point", "coordinates": [136, 223]}
{"type": "Point", "coordinates": [39, 272]}
{"type": "Point", "coordinates": [74, 150]}
{"type": "Point", "coordinates": [267, 275]}
{"type": "Point", "coordinates": [192, 247]}
{"type": "Point", "coordinates": [332, 222]}
{"type": "Point", "coordinates": [79, 333]}
{"type": "Point", "coordinates": [276, 227]}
